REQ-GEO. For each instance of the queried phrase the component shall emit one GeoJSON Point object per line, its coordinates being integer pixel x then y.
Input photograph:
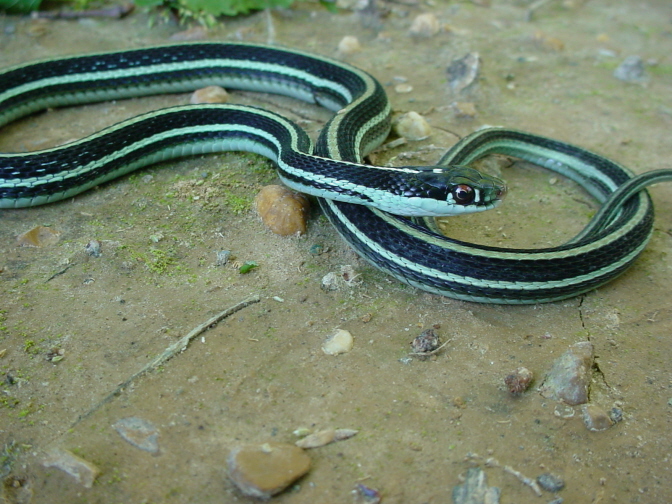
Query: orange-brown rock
{"type": "Point", "coordinates": [282, 210]}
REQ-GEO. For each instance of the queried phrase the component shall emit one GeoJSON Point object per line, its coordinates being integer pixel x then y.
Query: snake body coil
{"type": "Point", "coordinates": [413, 253]}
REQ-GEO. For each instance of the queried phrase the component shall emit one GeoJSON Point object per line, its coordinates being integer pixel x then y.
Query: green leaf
{"type": "Point", "coordinates": [232, 7]}
{"type": "Point", "coordinates": [247, 267]}
{"type": "Point", "coordinates": [145, 3]}
{"type": "Point", "coordinates": [19, 6]}
{"type": "Point", "coordinates": [330, 5]}
{"type": "Point", "coordinates": [205, 11]}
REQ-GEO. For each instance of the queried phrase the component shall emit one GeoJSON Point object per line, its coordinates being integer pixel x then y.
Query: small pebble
{"type": "Point", "coordinates": [39, 236]}
{"type": "Point", "coordinates": [595, 418]}
{"type": "Point", "coordinates": [93, 248]}
{"type": "Point", "coordinates": [464, 110]}
{"type": "Point", "coordinates": [209, 94]}
{"type": "Point", "coordinates": [316, 249]}
{"type": "Point", "coordinates": [475, 489]}
{"type": "Point", "coordinates": [83, 471]}
{"type": "Point", "coordinates": [412, 126]}
{"type": "Point", "coordinates": [426, 342]}
{"type": "Point", "coordinates": [550, 482]}
{"type": "Point", "coordinates": [349, 45]}
{"type": "Point", "coordinates": [616, 415]}
{"type": "Point", "coordinates": [403, 88]}
{"type": "Point", "coordinates": [223, 257]}
{"type": "Point", "coordinates": [139, 432]}
{"type": "Point", "coordinates": [569, 377]}
{"type": "Point", "coordinates": [343, 434]}
{"type": "Point", "coordinates": [325, 437]}
{"type": "Point", "coordinates": [302, 431]}
{"type": "Point", "coordinates": [462, 72]}
{"type": "Point", "coordinates": [346, 277]}
{"type": "Point", "coordinates": [518, 381]}
{"type": "Point", "coordinates": [317, 439]}
{"type": "Point", "coordinates": [262, 471]}
{"type": "Point", "coordinates": [366, 495]}
{"type": "Point", "coordinates": [631, 70]}
{"type": "Point", "coordinates": [339, 343]}
{"type": "Point", "coordinates": [425, 25]}
{"type": "Point", "coordinates": [330, 282]}
{"type": "Point", "coordinates": [282, 210]}
{"type": "Point", "coordinates": [55, 355]}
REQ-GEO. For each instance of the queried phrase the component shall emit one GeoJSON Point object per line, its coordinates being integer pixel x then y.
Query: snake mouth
{"type": "Point", "coordinates": [500, 193]}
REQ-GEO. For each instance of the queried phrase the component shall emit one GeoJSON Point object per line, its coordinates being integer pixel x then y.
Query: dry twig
{"type": "Point", "coordinates": [177, 347]}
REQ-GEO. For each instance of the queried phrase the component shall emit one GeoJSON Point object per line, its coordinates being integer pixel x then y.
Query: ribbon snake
{"type": "Point", "coordinates": [369, 206]}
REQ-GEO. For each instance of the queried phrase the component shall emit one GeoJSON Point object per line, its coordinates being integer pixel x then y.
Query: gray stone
{"type": "Point", "coordinates": [139, 432]}
{"type": "Point", "coordinates": [550, 482]}
{"type": "Point", "coordinates": [595, 418]}
{"type": "Point", "coordinates": [569, 377]}
{"type": "Point", "coordinates": [83, 471]}
{"type": "Point", "coordinates": [475, 489]}
{"type": "Point", "coordinates": [631, 70]}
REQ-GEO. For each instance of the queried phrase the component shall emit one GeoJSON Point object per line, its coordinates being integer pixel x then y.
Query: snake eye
{"type": "Point", "coordinates": [463, 194]}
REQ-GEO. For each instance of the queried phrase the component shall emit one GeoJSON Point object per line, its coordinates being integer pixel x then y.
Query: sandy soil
{"type": "Point", "coordinates": [261, 374]}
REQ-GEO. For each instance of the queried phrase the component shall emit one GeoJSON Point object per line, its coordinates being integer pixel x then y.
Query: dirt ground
{"type": "Point", "coordinates": [260, 374]}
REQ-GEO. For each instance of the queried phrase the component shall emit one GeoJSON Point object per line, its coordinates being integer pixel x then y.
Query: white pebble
{"type": "Point", "coordinates": [83, 471]}
{"type": "Point", "coordinates": [325, 437]}
{"type": "Point", "coordinates": [425, 25]}
{"type": "Point", "coordinates": [317, 439]}
{"type": "Point", "coordinates": [209, 94]}
{"type": "Point", "coordinates": [412, 126]}
{"type": "Point", "coordinates": [341, 342]}
{"type": "Point", "coordinates": [403, 88]}
{"type": "Point", "coordinates": [330, 281]}
{"type": "Point", "coordinates": [349, 45]}
{"type": "Point", "coordinates": [343, 434]}
{"type": "Point", "coordinates": [302, 431]}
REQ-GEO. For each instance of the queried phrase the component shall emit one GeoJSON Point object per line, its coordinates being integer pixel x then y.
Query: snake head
{"type": "Point", "coordinates": [456, 189]}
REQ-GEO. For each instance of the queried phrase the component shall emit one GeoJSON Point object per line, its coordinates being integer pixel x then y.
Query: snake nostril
{"type": "Point", "coordinates": [501, 192]}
